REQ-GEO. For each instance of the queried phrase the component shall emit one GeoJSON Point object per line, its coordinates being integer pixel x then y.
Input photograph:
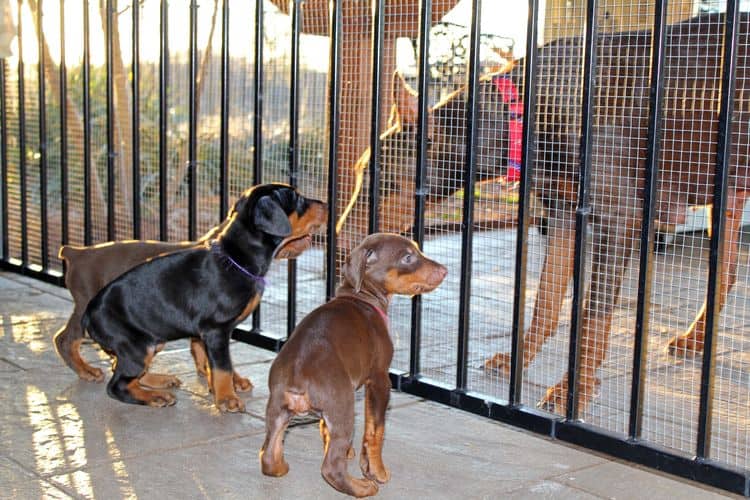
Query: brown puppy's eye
{"type": "Point", "coordinates": [407, 259]}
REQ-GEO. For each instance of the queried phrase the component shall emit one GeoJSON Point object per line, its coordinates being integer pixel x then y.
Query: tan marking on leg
{"type": "Point", "coordinates": [198, 350]}
{"type": "Point", "coordinates": [151, 398]}
{"type": "Point", "coordinates": [224, 396]}
{"type": "Point", "coordinates": [159, 381]}
{"type": "Point", "coordinates": [84, 370]}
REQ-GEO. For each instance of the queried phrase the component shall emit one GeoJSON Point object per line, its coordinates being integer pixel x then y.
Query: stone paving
{"type": "Point", "coordinates": [64, 438]}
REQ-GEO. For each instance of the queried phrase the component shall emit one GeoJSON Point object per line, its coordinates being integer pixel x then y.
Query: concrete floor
{"type": "Point", "coordinates": [64, 438]}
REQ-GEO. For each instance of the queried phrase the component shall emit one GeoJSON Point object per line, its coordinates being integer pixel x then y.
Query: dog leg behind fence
{"type": "Point", "coordinates": [557, 271]}
{"type": "Point", "coordinates": [613, 238]}
{"type": "Point", "coordinates": [690, 343]}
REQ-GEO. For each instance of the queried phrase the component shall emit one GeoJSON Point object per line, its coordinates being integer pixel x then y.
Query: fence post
{"type": "Point", "coordinates": [524, 197]}
{"type": "Point", "coordinates": [467, 225]}
{"type": "Point", "coordinates": [63, 130]}
{"type": "Point", "coordinates": [715, 261]}
{"type": "Point", "coordinates": [334, 91]}
{"type": "Point", "coordinates": [87, 205]}
{"type": "Point", "coordinates": [192, 124]}
{"type": "Point", "coordinates": [645, 270]}
{"type": "Point", "coordinates": [163, 118]}
{"type": "Point", "coordinates": [224, 137]}
{"type": "Point", "coordinates": [583, 211]}
{"type": "Point", "coordinates": [136, 112]}
{"type": "Point", "coordinates": [420, 192]}
{"type": "Point", "coordinates": [111, 146]}
{"type": "Point", "coordinates": [378, 27]}
{"type": "Point", "coordinates": [258, 122]}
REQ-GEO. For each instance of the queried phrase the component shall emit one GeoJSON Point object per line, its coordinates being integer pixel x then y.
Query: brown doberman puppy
{"type": "Point", "coordinates": [336, 349]}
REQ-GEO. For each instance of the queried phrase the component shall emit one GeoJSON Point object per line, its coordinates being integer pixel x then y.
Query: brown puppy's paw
{"type": "Point", "coordinates": [500, 363]}
{"type": "Point", "coordinates": [686, 345]}
{"type": "Point", "coordinates": [274, 470]}
{"type": "Point", "coordinates": [87, 372]}
{"type": "Point", "coordinates": [241, 384]}
{"type": "Point", "coordinates": [159, 399]}
{"type": "Point", "coordinates": [373, 469]}
{"type": "Point", "coordinates": [230, 404]}
{"type": "Point", "coordinates": [363, 488]}
{"type": "Point", "coordinates": [159, 381]}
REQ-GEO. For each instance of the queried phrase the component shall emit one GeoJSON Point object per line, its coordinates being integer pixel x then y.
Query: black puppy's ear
{"type": "Point", "coordinates": [270, 218]}
{"type": "Point", "coordinates": [356, 267]}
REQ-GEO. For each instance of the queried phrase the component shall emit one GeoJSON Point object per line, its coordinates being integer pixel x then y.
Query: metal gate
{"type": "Point", "coordinates": [592, 221]}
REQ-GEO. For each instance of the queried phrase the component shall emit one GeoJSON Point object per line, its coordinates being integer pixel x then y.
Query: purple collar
{"type": "Point", "coordinates": [230, 262]}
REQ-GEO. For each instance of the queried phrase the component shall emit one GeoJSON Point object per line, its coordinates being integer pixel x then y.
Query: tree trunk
{"type": "Point", "coordinates": [181, 170]}
{"type": "Point", "coordinates": [123, 146]}
{"type": "Point", "coordinates": [74, 122]}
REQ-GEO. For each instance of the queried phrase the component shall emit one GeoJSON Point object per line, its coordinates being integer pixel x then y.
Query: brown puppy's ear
{"type": "Point", "coordinates": [356, 266]}
{"type": "Point", "coordinates": [270, 218]}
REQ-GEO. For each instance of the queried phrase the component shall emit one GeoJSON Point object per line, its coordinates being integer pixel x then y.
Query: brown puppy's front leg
{"type": "Point", "coordinates": [377, 395]}
{"type": "Point", "coordinates": [340, 424]}
{"type": "Point", "coordinates": [220, 372]}
{"type": "Point", "coordinates": [326, 437]}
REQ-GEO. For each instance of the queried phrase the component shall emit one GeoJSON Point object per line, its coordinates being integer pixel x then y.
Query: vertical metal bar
{"type": "Point", "coordinates": [22, 141]}
{"type": "Point", "coordinates": [524, 196]}
{"type": "Point", "coordinates": [193, 125]}
{"type": "Point", "coordinates": [334, 91]}
{"type": "Point", "coordinates": [163, 118]}
{"type": "Point", "coordinates": [583, 212]}
{"type": "Point", "coordinates": [378, 27]}
{"type": "Point", "coordinates": [715, 261]}
{"type": "Point", "coordinates": [291, 317]}
{"type": "Point", "coordinates": [467, 226]}
{"type": "Point", "coordinates": [63, 130]}
{"type": "Point", "coordinates": [43, 167]}
{"type": "Point", "coordinates": [136, 112]}
{"type": "Point", "coordinates": [224, 133]}
{"type": "Point", "coordinates": [645, 272]}
{"type": "Point", "coordinates": [87, 224]}
{"type": "Point", "coordinates": [4, 158]}
{"type": "Point", "coordinates": [111, 146]}
{"type": "Point", "coordinates": [258, 120]}
{"type": "Point", "coordinates": [420, 192]}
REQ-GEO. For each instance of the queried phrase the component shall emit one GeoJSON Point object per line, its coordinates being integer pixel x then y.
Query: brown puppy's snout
{"type": "Point", "coordinates": [428, 276]}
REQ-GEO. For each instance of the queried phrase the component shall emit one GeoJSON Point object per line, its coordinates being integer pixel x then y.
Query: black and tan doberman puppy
{"type": "Point", "coordinates": [88, 269]}
{"type": "Point", "coordinates": [199, 292]}
{"type": "Point", "coordinates": [336, 349]}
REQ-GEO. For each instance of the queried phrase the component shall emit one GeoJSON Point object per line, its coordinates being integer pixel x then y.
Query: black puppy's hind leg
{"type": "Point", "coordinates": [131, 362]}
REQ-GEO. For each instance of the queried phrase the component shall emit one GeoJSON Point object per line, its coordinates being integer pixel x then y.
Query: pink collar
{"type": "Point", "coordinates": [378, 309]}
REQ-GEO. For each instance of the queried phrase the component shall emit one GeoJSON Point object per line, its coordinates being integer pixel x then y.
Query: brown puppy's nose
{"type": "Point", "coordinates": [442, 271]}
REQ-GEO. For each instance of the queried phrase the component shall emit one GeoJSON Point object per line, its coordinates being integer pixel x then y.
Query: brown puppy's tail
{"type": "Point", "coordinates": [297, 403]}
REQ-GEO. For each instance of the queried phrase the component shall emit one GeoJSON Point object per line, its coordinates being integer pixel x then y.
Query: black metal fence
{"type": "Point", "coordinates": [628, 121]}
